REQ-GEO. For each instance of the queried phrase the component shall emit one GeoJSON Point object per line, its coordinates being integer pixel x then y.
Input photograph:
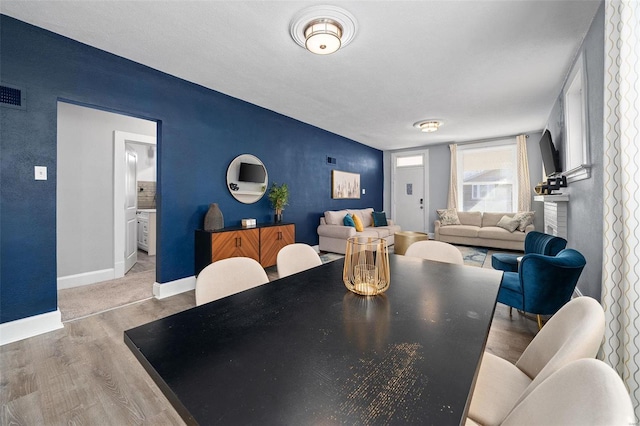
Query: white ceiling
{"type": "Point", "coordinates": [487, 68]}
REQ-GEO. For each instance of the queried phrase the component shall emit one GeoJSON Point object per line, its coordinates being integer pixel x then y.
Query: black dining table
{"type": "Point", "coordinates": [303, 350]}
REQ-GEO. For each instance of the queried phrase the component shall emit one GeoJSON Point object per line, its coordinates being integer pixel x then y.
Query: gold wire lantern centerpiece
{"type": "Point", "coordinates": [366, 266]}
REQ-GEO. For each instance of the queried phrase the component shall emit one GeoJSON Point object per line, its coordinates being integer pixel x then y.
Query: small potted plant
{"type": "Point", "coordinates": [279, 197]}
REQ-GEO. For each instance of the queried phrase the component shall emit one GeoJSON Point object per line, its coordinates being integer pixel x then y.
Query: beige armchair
{"type": "Point", "coordinates": [574, 332]}
{"type": "Point", "coordinates": [586, 392]}
{"type": "Point", "coordinates": [295, 258]}
{"type": "Point", "coordinates": [228, 276]}
{"type": "Point", "coordinates": [435, 250]}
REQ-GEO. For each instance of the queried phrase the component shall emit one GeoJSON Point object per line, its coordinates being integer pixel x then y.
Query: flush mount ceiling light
{"type": "Point", "coordinates": [323, 36]}
{"type": "Point", "coordinates": [428, 126]}
{"type": "Point", "coordinates": [323, 29]}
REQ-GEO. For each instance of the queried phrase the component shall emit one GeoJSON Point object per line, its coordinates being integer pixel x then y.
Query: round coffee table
{"type": "Point", "coordinates": [403, 239]}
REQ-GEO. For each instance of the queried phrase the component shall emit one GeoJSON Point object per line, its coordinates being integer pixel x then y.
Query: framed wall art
{"type": "Point", "coordinates": [345, 185]}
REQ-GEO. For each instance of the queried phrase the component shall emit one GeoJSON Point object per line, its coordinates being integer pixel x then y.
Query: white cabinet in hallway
{"type": "Point", "coordinates": [147, 231]}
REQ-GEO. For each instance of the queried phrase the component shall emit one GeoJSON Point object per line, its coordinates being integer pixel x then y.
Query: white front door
{"type": "Point", "coordinates": [409, 194]}
{"type": "Point", "coordinates": [130, 209]}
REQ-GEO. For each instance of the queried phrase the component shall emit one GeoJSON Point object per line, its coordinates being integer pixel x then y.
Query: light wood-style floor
{"type": "Point", "coordinates": [85, 375]}
{"type": "Point", "coordinates": [144, 263]}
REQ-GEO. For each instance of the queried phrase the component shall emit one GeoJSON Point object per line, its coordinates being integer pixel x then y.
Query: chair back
{"type": "Point", "coordinates": [548, 281]}
{"type": "Point", "coordinates": [586, 392]}
{"type": "Point", "coordinates": [575, 331]}
{"type": "Point", "coordinates": [435, 250]}
{"type": "Point", "coordinates": [295, 258]}
{"type": "Point", "coordinates": [228, 276]}
{"type": "Point", "coordinates": [541, 243]}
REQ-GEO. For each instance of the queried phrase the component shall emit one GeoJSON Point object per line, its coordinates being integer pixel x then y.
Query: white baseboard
{"type": "Point", "coordinates": [86, 278]}
{"type": "Point", "coordinates": [118, 268]}
{"type": "Point", "coordinates": [316, 248]}
{"type": "Point", "coordinates": [31, 326]}
{"type": "Point", "coordinates": [160, 291]}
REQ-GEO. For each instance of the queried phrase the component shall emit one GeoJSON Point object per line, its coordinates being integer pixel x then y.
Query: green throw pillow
{"type": "Point", "coordinates": [379, 219]}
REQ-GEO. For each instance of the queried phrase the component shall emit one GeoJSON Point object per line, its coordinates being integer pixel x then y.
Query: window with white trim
{"type": "Point", "coordinates": [487, 177]}
{"type": "Point", "coordinates": [483, 191]}
{"type": "Point", "coordinates": [577, 164]}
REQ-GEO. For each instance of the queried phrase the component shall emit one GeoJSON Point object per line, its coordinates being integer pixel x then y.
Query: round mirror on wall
{"type": "Point", "coordinates": [247, 178]}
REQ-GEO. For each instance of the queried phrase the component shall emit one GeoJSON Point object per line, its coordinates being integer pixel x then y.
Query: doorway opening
{"type": "Point", "coordinates": [87, 225]}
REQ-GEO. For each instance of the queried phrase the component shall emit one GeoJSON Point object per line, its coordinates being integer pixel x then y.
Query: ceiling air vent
{"type": "Point", "coordinates": [12, 97]}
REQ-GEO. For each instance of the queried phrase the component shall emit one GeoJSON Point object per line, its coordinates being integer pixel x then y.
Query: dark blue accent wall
{"type": "Point", "coordinates": [200, 131]}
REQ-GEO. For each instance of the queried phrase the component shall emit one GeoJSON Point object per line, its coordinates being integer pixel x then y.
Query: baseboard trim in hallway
{"type": "Point", "coordinates": [24, 328]}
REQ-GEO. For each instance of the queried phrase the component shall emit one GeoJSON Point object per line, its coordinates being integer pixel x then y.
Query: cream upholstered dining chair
{"type": "Point", "coordinates": [585, 392]}
{"type": "Point", "coordinates": [435, 250]}
{"type": "Point", "coordinates": [228, 276]}
{"type": "Point", "coordinates": [575, 331]}
{"type": "Point", "coordinates": [295, 258]}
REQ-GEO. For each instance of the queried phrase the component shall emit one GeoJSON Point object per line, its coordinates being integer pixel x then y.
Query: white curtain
{"type": "Point", "coordinates": [524, 185]}
{"type": "Point", "coordinates": [621, 261]}
{"type": "Point", "coordinates": [452, 202]}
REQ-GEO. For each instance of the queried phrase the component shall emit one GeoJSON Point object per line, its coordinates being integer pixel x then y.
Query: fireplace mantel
{"type": "Point", "coordinates": [555, 213]}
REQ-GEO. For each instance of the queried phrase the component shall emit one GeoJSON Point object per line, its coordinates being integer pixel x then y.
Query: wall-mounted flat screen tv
{"type": "Point", "coordinates": [550, 155]}
{"type": "Point", "coordinates": [251, 173]}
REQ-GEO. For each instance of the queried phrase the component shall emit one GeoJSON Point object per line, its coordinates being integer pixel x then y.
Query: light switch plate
{"type": "Point", "coordinates": [364, 191]}
{"type": "Point", "coordinates": [40, 172]}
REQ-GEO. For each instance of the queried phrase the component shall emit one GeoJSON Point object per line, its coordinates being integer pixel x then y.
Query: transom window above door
{"type": "Point", "coordinates": [410, 161]}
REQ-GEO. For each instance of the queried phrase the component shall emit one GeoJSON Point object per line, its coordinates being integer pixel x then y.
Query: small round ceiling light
{"type": "Point", "coordinates": [323, 36]}
{"type": "Point", "coordinates": [428, 126]}
{"type": "Point", "coordinates": [323, 29]}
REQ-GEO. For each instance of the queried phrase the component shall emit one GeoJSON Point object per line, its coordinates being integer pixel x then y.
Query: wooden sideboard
{"type": "Point", "coordinates": [262, 243]}
{"type": "Point", "coordinates": [272, 239]}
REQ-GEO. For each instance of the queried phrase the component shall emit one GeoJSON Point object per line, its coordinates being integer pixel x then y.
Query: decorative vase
{"type": "Point", "coordinates": [366, 266]}
{"type": "Point", "coordinates": [213, 220]}
{"type": "Point", "coordinates": [277, 218]}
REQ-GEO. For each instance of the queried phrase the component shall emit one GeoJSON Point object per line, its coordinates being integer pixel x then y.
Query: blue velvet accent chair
{"type": "Point", "coordinates": [543, 284]}
{"type": "Point", "coordinates": [534, 242]}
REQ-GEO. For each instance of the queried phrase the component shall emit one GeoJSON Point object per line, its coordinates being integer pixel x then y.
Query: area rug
{"type": "Point", "coordinates": [473, 256]}
{"type": "Point", "coordinates": [330, 257]}
{"type": "Point", "coordinates": [79, 302]}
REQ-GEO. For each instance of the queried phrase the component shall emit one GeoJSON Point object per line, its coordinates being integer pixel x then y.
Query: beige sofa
{"type": "Point", "coordinates": [479, 229]}
{"type": "Point", "coordinates": [333, 234]}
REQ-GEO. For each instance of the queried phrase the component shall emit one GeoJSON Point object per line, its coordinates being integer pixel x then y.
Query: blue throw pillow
{"type": "Point", "coordinates": [348, 221]}
{"type": "Point", "coordinates": [379, 219]}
